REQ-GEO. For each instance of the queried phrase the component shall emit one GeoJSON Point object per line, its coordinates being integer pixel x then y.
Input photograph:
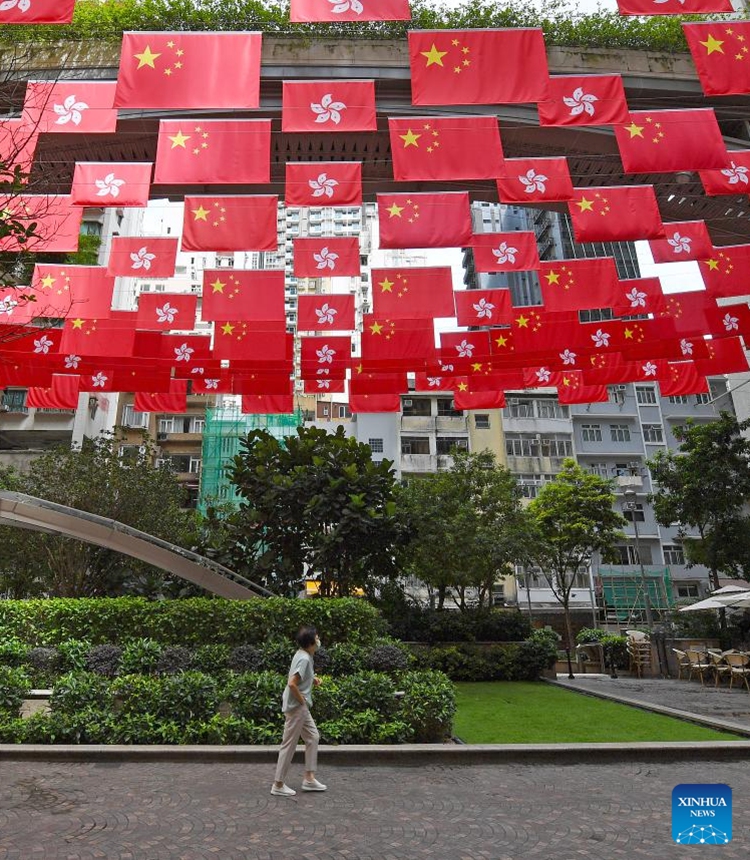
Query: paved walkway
{"type": "Point", "coordinates": [171, 811]}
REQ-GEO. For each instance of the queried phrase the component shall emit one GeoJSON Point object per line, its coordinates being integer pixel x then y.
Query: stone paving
{"type": "Point", "coordinates": [195, 811]}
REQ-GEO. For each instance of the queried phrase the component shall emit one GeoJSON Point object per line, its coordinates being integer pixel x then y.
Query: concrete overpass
{"type": "Point", "coordinates": [651, 81]}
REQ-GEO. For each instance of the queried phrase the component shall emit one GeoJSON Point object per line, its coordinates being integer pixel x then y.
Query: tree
{"type": "Point", "coordinates": [468, 527]}
{"type": "Point", "coordinates": [574, 518]}
{"type": "Point", "coordinates": [98, 479]}
{"type": "Point", "coordinates": [314, 502]}
{"type": "Point", "coordinates": [705, 486]}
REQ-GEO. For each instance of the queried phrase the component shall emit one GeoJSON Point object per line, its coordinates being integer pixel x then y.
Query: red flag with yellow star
{"type": "Point", "coordinates": [57, 223]}
{"type": "Point", "coordinates": [142, 257]}
{"type": "Point", "coordinates": [576, 392]}
{"type": "Point", "coordinates": [379, 383]}
{"type": "Point", "coordinates": [615, 213]}
{"type": "Point", "coordinates": [97, 337]}
{"type": "Point", "coordinates": [584, 100]}
{"type": "Point", "coordinates": [174, 400]}
{"type": "Point", "coordinates": [246, 342]}
{"type": "Point", "coordinates": [734, 178]}
{"type": "Point", "coordinates": [413, 293]}
{"type": "Point", "coordinates": [467, 398]}
{"type": "Point", "coordinates": [70, 107]}
{"type": "Point", "coordinates": [328, 105]}
{"type": "Point", "coordinates": [725, 271]}
{"type": "Point", "coordinates": [61, 394]}
{"type": "Point", "coordinates": [24, 374]}
{"type": "Point", "coordinates": [111, 184]}
{"type": "Point", "coordinates": [424, 220]}
{"type": "Point", "coordinates": [686, 240]}
{"type": "Point", "coordinates": [460, 67]}
{"type": "Point", "coordinates": [683, 378]}
{"type": "Point", "coordinates": [78, 291]}
{"type": "Point", "coordinates": [505, 252]}
{"type": "Point", "coordinates": [721, 53]}
{"type": "Point", "coordinates": [213, 151]}
{"type": "Point", "coordinates": [37, 12]}
{"type": "Point", "coordinates": [669, 141]}
{"type": "Point", "coordinates": [483, 307]}
{"type": "Point", "coordinates": [532, 180]}
{"type": "Point", "coordinates": [673, 7]}
{"type": "Point", "coordinates": [725, 355]}
{"type": "Point", "coordinates": [375, 402]}
{"type": "Point", "coordinates": [324, 183]}
{"type": "Point", "coordinates": [189, 70]}
{"type": "Point", "coordinates": [326, 257]}
{"type": "Point", "coordinates": [328, 312]}
{"type": "Point", "coordinates": [166, 311]}
{"type": "Point", "coordinates": [267, 404]}
{"type": "Point", "coordinates": [250, 295]}
{"type": "Point", "coordinates": [271, 382]}
{"type": "Point", "coordinates": [447, 147]}
{"type": "Point", "coordinates": [579, 283]}
{"type": "Point", "coordinates": [230, 223]}
{"type": "Point", "coordinates": [399, 340]}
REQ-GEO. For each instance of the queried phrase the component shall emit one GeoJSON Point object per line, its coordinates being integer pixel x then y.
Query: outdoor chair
{"type": "Point", "coordinates": [636, 635]}
{"type": "Point", "coordinates": [639, 651]}
{"type": "Point", "coordinates": [683, 664]}
{"type": "Point", "coordinates": [721, 668]}
{"type": "Point", "coordinates": [740, 668]}
{"type": "Point", "coordinates": [699, 662]}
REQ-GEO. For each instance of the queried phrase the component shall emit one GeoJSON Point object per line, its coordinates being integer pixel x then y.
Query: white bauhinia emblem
{"type": "Point", "coordinates": [21, 5]}
{"type": "Point", "coordinates": [99, 380]}
{"type": "Point", "coordinates": [434, 381]}
{"type": "Point", "coordinates": [446, 368]}
{"type": "Point", "coordinates": [198, 370]}
{"type": "Point", "coordinates": [465, 349]}
{"type": "Point", "coordinates": [649, 369]}
{"type": "Point", "coordinates": [324, 383]}
{"type": "Point", "coordinates": [7, 305]}
{"type": "Point", "coordinates": [636, 298]}
{"type": "Point", "coordinates": [505, 253]}
{"type": "Point", "coordinates": [211, 383]}
{"type": "Point", "coordinates": [166, 313]}
{"type": "Point", "coordinates": [109, 186]}
{"type": "Point", "coordinates": [42, 345]}
{"type": "Point", "coordinates": [325, 354]}
{"type": "Point", "coordinates": [736, 174]}
{"type": "Point", "coordinates": [731, 323]}
{"type": "Point", "coordinates": [323, 371]}
{"type": "Point", "coordinates": [601, 338]}
{"type": "Point", "coordinates": [580, 102]}
{"type": "Point", "coordinates": [484, 309]}
{"type": "Point", "coordinates": [568, 357]}
{"type": "Point", "coordinates": [327, 110]}
{"type": "Point", "coordinates": [71, 110]}
{"type": "Point", "coordinates": [322, 186]}
{"type": "Point", "coordinates": [183, 352]}
{"type": "Point", "coordinates": [72, 361]}
{"type": "Point", "coordinates": [325, 259]}
{"type": "Point", "coordinates": [680, 243]}
{"type": "Point", "coordinates": [341, 6]}
{"type": "Point", "coordinates": [326, 314]}
{"type": "Point", "coordinates": [142, 258]}
{"type": "Point", "coordinates": [533, 181]}
{"type": "Point", "coordinates": [543, 375]}
{"type": "Point", "coordinates": [686, 346]}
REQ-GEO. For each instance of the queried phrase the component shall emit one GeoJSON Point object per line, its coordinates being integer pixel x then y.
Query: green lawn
{"type": "Point", "coordinates": [537, 713]}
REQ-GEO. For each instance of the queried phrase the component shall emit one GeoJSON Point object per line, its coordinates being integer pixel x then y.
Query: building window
{"type": "Point", "coordinates": [14, 400]}
{"type": "Point", "coordinates": [673, 554]}
{"type": "Point", "coordinates": [341, 410]}
{"type": "Point", "coordinates": [548, 408]}
{"type": "Point", "coordinates": [591, 432]}
{"type": "Point", "coordinates": [638, 515]}
{"type": "Point", "coordinates": [629, 555]}
{"type": "Point", "coordinates": [415, 406]}
{"type": "Point", "coordinates": [600, 469]}
{"type": "Point", "coordinates": [679, 398]}
{"type": "Point", "coordinates": [653, 433]}
{"type": "Point", "coordinates": [619, 432]}
{"type": "Point", "coordinates": [482, 421]}
{"type": "Point", "coordinates": [530, 484]}
{"type": "Point", "coordinates": [446, 444]}
{"type": "Point", "coordinates": [131, 418]}
{"type": "Point", "coordinates": [447, 408]}
{"type": "Point", "coordinates": [521, 445]}
{"type": "Point", "coordinates": [687, 590]}
{"type": "Point", "coordinates": [702, 399]}
{"type": "Point", "coordinates": [616, 393]}
{"type": "Point", "coordinates": [376, 445]}
{"type": "Point", "coordinates": [645, 395]}
{"type": "Point", "coordinates": [520, 408]}
{"type": "Point", "coordinates": [415, 445]}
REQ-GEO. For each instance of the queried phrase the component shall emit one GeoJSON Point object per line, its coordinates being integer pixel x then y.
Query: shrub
{"type": "Point", "coordinates": [277, 655]}
{"type": "Point", "coordinates": [43, 664]}
{"type": "Point", "coordinates": [388, 658]}
{"type": "Point", "coordinates": [231, 730]}
{"type": "Point", "coordinates": [246, 658]}
{"type": "Point", "coordinates": [104, 660]}
{"type": "Point", "coordinates": [14, 685]}
{"type": "Point", "coordinates": [337, 697]}
{"type": "Point", "coordinates": [174, 658]}
{"type": "Point", "coordinates": [488, 625]}
{"type": "Point", "coordinates": [80, 691]}
{"type": "Point", "coordinates": [547, 639]}
{"type": "Point", "coordinates": [13, 652]}
{"type": "Point", "coordinates": [363, 727]}
{"type": "Point", "coordinates": [73, 654]}
{"type": "Point", "coordinates": [178, 698]}
{"type": "Point", "coordinates": [344, 659]}
{"type": "Point", "coordinates": [12, 730]}
{"type": "Point", "coordinates": [211, 659]}
{"type": "Point", "coordinates": [521, 661]}
{"type": "Point", "coordinates": [256, 696]}
{"type": "Point", "coordinates": [140, 657]}
{"type": "Point", "coordinates": [428, 705]}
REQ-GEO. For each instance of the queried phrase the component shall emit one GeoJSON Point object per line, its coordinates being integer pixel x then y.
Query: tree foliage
{"type": "Point", "coordinates": [468, 527]}
{"type": "Point", "coordinates": [574, 518]}
{"type": "Point", "coordinates": [97, 479]}
{"type": "Point", "coordinates": [313, 502]}
{"type": "Point", "coordinates": [705, 486]}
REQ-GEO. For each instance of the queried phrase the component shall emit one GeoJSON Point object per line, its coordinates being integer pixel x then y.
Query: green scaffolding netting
{"type": "Point", "coordinates": [623, 592]}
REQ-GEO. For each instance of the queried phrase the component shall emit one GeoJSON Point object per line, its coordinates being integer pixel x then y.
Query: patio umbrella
{"type": "Point", "coordinates": [728, 600]}
{"type": "Point", "coordinates": [708, 603]}
{"type": "Point", "coordinates": [730, 589]}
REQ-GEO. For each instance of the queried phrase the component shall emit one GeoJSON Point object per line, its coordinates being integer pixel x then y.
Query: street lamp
{"type": "Point", "coordinates": [631, 505]}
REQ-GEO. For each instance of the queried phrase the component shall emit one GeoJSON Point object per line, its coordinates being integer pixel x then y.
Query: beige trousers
{"type": "Point", "coordinates": [299, 724]}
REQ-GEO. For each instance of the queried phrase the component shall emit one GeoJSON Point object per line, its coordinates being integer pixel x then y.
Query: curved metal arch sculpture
{"type": "Point", "coordinates": [23, 511]}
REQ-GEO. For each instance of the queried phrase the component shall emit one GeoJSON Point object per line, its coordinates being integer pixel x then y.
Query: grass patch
{"type": "Point", "coordinates": [536, 713]}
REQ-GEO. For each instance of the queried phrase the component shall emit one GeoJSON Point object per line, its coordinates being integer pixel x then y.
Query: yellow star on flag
{"type": "Point", "coordinates": [462, 386]}
{"type": "Point", "coordinates": [200, 214]}
{"type": "Point", "coordinates": [522, 322]}
{"type": "Point", "coordinates": [635, 130]}
{"type": "Point", "coordinates": [713, 265]}
{"type": "Point", "coordinates": [433, 56]}
{"type": "Point", "coordinates": [47, 281]}
{"type": "Point", "coordinates": [585, 205]}
{"type": "Point", "coordinates": [146, 58]}
{"type": "Point", "coordinates": [227, 328]}
{"type": "Point", "coordinates": [179, 139]}
{"type": "Point", "coordinates": [713, 46]}
{"type": "Point", "coordinates": [376, 328]}
{"type": "Point", "coordinates": [386, 286]}
{"type": "Point", "coordinates": [410, 139]}
{"type": "Point", "coordinates": [501, 341]}
{"type": "Point", "coordinates": [552, 278]}
{"type": "Point", "coordinates": [395, 210]}
{"type": "Point", "coordinates": [77, 323]}
{"type": "Point", "coordinates": [218, 286]}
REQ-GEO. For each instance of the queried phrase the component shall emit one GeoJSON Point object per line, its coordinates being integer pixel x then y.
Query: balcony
{"type": "Point", "coordinates": [423, 423]}
{"type": "Point", "coordinates": [421, 463]}
{"type": "Point", "coordinates": [450, 423]}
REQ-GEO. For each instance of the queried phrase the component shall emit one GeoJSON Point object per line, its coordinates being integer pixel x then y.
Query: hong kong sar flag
{"type": "Point", "coordinates": [107, 184]}
{"type": "Point", "coordinates": [328, 312]}
{"type": "Point", "coordinates": [314, 11]}
{"type": "Point", "coordinates": [424, 220]}
{"type": "Point", "coordinates": [142, 257]}
{"type": "Point", "coordinates": [328, 105]}
{"type": "Point", "coordinates": [326, 257]}
{"type": "Point", "coordinates": [483, 307]}
{"type": "Point", "coordinates": [534, 180]}
{"type": "Point", "coordinates": [322, 183]}
{"type": "Point", "coordinates": [36, 11]}
{"type": "Point", "coordinates": [734, 178]}
{"type": "Point", "coordinates": [686, 240]}
{"type": "Point", "coordinates": [584, 100]}
{"type": "Point", "coordinates": [72, 107]}
{"type": "Point", "coordinates": [505, 252]}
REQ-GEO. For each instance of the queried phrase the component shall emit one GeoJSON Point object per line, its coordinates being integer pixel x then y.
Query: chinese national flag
{"type": "Point", "coordinates": [106, 184]}
{"type": "Point", "coordinates": [316, 11]}
{"type": "Point", "coordinates": [213, 151]}
{"type": "Point", "coordinates": [451, 147]}
{"type": "Point", "coordinates": [505, 66]}
{"type": "Point", "coordinates": [326, 257]}
{"type": "Point", "coordinates": [673, 7]}
{"type": "Point", "coordinates": [97, 337]}
{"type": "Point", "coordinates": [375, 402]}
{"type": "Point", "coordinates": [584, 100]}
{"type": "Point", "coordinates": [734, 178]}
{"type": "Point", "coordinates": [505, 252]}
{"type": "Point", "coordinates": [328, 105]}
{"type": "Point", "coordinates": [721, 52]}
{"type": "Point", "coordinates": [72, 107]}
{"type": "Point", "coordinates": [267, 404]}
{"type": "Point", "coordinates": [379, 383]}
{"type": "Point", "coordinates": [142, 257]}
{"type": "Point", "coordinates": [576, 392]}
{"type": "Point", "coordinates": [578, 284]}
{"type": "Point", "coordinates": [72, 291]}
{"type": "Point", "coordinates": [467, 400]}
{"type": "Point", "coordinates": [668, 141]}
{"type": "Point", "coordinates": [243, 342]}
{"type": "Point", "coordinates": [166, 311]}
{"type": "Point", "coordinates": [37, 12]}
{"type": "Point", "coordinates": [62, 394]}
{"type": "Point", "coordinates": [24, 375]}
{"type": "Point", "coordinates": [235, 223]}
{"type": "Point", "coordinates": [325, 386]}
{"type": "Point", "coordinates": [18, 141]}
{"type": "Point", "coordinates": [725, 355]}
{"type": "Point", "coordinates": [329, 312]}
{"type": "Point", "coordinates": [175, 400]}
{"type": "Point", "coordinates": [424, 220]}
{"type": "Point", "coordinates": [532, 180]}
{"type": "Point", "coordinates": [324, 183]}
{"type": "Point", "coordinates": [686, 240]}
{"type": "Point", "coordinates": [638, 296]}
{"type": "Point", "coordinates": [189, 70]}
{"type": "Point", "coordinates": [397, 339]}
{"type": "Point", "coordinates": [725, 272]}
{"type": "Point", "coordinates": [276, 382]}
{"type": "Point", "coordinates": [615, 213]}
{"type": "Point", "coordinates": [413, 293]}
{"type": "Point", "coordinates": [250, 296]}
{"type": "Point", "coordinates": [483, 307]}
{"type": "Point", "coordinates": [58, 223]}
{"type": "Point", "coordinates": [682, 378]}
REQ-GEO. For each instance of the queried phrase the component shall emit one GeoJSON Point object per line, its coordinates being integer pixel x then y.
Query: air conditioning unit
{"type": "Point", "coordinates": [161, 437]}
{"type": "Point", "coordinates": [408, 402]}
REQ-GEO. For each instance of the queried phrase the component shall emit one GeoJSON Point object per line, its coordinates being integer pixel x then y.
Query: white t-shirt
{"type": "Point", "coordinates": [302, 665]}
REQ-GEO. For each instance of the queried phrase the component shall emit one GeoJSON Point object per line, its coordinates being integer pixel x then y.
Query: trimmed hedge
{"type": "Point", "coordinates": [516, 661]}
{"type": "Point", "coordinates": [415, 624]}
{"type": "Point", "coordinates": [193, 622]}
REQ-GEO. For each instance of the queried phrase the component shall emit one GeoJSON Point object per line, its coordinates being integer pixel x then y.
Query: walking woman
{"type": "Point", "coordinates": [299, 723]}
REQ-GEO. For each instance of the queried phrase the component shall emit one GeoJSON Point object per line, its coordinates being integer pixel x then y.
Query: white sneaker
{"type": "Point", "coordinates": [313, 786]}
{"type": "Point", "coordinates": [284, 791]}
